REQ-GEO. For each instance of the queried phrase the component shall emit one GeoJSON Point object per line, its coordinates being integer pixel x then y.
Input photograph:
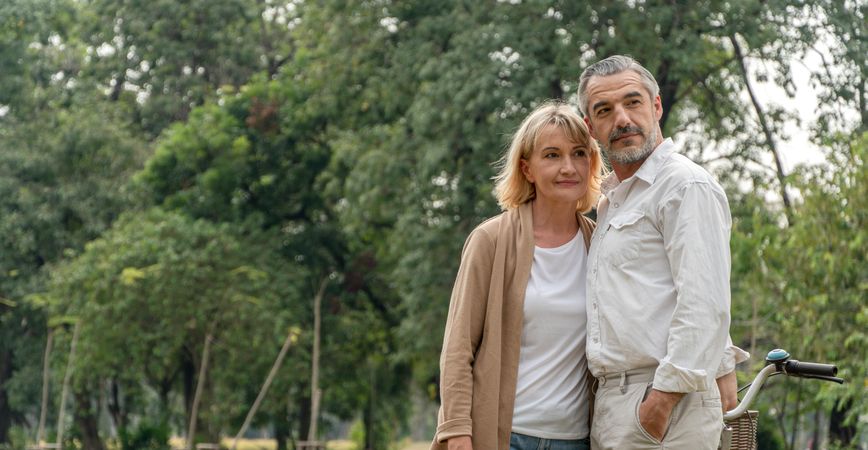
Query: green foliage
{"type": "Point", "coordinates": [164, 57]}
{"type": "Point", "coordinates": [57, 191]}
{"type": "Point", "coordinates": [18, 439]}
{"type": "Point", "coordinates": [148, 292]}
{"type": "Point", "coordinates": [843, 69]}
{"type": "Point", "coordinates": [257, 158]}
{"type": "Point", "coordinates": [146, 436]}
{"type": "Point", "coordinates": [767, 437]}
{"type": "Point", "coordinates": [30, 33]}
{"type": "Point", "coordinates": [357, 435]}
{"type": "Point", "coordinates": [293, 142]}
{"type": "Point", "coordinates": [455, 80]}
{"type": "Point", "coordinates": [810, 276]}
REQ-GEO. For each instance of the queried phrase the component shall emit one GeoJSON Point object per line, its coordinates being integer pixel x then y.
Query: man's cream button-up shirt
{"type": "Point", "coordinates": [658, 280]}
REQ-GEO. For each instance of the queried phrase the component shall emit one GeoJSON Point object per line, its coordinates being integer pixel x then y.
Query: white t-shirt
{"type": "Point", "coordinates": [551, 396]}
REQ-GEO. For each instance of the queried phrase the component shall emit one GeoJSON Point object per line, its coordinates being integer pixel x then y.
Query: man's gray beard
{"type": "Point", "coordinates": [635, 155]}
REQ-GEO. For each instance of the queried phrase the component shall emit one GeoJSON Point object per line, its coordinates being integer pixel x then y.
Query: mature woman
{"type": "Point", "coordinates": [513, 368]}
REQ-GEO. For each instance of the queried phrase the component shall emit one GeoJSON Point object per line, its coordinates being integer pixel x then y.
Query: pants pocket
{"type": "Point", "coordinates": [711, 400]}
{"type": "Point", "coordinates": [643, 394]}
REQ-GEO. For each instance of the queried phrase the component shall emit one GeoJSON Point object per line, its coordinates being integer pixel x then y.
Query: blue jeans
{"type": "Point", "coordinates": [524, 442]}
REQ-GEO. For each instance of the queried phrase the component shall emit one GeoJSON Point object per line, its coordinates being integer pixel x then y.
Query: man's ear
{"type": "Point", "coordinates": [658, 108]}
{"type": "Point", "coordinates": [590, 127]}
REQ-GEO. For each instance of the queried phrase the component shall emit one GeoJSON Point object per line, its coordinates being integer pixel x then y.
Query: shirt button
{"type": "Point", "coordinates": [616, 205]}
{"type": "Point", "coordinates": [596, 340]}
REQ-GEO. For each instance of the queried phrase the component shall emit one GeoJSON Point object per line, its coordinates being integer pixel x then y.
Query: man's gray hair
{"type": "Point", "coordinates": [611, 66]}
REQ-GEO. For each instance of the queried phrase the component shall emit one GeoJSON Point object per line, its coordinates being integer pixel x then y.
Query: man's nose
{"type": "Point", "coordinates": [622, 119]}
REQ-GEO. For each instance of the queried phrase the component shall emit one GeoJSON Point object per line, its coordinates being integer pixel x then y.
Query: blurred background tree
{"type": "Point", "coordinates": [166, 167]}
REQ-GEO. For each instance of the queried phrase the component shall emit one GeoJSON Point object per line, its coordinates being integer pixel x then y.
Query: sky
{"type": "Point", "coordinates": [795, 146]}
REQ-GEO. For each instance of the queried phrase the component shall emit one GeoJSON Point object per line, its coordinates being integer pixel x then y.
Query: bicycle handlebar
{"type": "Point", "coordinates": [799, 368]}
{"type": "Point", "coordinates": [779, 363]}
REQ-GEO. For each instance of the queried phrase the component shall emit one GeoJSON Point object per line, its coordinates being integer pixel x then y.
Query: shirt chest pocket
{"type": "Point", "coordinates": [626, 236]}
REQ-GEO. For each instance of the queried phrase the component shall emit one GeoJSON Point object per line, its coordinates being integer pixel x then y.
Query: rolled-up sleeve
{"type": "Point", "coordinates": [696, 229]}
{"type": "Point", "coordinates": [464, 327]}
{"type": "Point", "coordinates": [732, 356]}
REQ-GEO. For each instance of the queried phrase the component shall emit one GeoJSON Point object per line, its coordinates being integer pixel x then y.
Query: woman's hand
{"type": "Point", "coordinates": [460, 443]}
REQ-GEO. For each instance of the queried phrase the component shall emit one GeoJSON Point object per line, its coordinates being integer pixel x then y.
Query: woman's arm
{"type": "Point", "coordinates": [464, 327]}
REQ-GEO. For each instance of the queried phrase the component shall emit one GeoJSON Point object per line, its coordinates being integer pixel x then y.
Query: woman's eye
{"type": "Point", "coordinates": [580, 153]}
{"type": "Point", "coordinates": [550, 155]}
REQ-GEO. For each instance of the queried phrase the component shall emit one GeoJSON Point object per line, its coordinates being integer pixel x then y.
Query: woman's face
{"type": "Point", "coordinates": [558, 167]}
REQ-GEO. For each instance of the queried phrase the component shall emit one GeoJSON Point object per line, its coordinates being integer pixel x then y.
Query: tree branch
{"type": "Point", "coordinates": [770, 140]}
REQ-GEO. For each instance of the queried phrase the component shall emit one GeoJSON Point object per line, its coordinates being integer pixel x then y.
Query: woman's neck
{"type": "Point", "coordinates": [553, 224]}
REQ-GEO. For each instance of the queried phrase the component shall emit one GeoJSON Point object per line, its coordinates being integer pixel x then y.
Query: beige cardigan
{"type": "Point", "coordinates": [479, 360]}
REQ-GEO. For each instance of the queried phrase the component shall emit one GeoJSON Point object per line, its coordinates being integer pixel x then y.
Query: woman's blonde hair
{"type": "Point", "coordinates": [512, 188]}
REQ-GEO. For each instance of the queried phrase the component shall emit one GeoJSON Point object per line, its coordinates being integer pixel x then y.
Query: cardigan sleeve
{"type": "Point", "coordinates": [464, 327]}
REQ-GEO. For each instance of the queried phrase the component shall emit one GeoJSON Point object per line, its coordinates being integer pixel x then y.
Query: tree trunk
{"type": "Point", "coordinates": [770, 139]}
{"type": "Point", "coordinates": [67, 377]}
{"type": "Point", "coordinates": [314, 376]}
{"type": "Point", "coordinates": [200, 384]}
{"type": "Point", "coordinates": [86, 422]}
{"type": "Point", "coordinates": [863, 103]}
{"type": "Point", "coordinates": [46, 376]}
{"type": "Point", "coordinates": [840, 434]}
{"type": "Point", "coordinates": [556, 90]}
{"type": "Point", "coordinates": [781, 417]}
{"type": "Point", "coordinates": [369, 418]}
{"type": "Point", "coordinates": [815, 435]}
{"type": "Point", "coordinates": [281, 431]}
{"type": "Point", "coordinates": [754, 322]}
{"type": "Point", "coordinates": [796, 416]}
{"type": "Point", "coordinates": [668, 90]}
{"type": "Point", "coordinates": [290, 338]}
{"type": "Point", "coordinates": [5, 408]}
{"type": "Point", "coordinates": [304, 417]}
{"type": "Point", "coordinates": [188, 379]}
{"type": "Point", "coordinates": [116, 408]}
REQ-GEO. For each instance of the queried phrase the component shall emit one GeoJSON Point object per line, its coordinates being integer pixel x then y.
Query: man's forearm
{"type": "Point", "coordinates": [728, 387]}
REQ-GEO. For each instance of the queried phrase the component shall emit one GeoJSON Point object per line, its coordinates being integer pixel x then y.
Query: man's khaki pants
{"type": "Point", "coordinates": [695, 423]}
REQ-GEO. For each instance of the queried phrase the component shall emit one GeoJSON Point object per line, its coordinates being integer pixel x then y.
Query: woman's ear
{"type": "Point", "coordinates": [525, 170]}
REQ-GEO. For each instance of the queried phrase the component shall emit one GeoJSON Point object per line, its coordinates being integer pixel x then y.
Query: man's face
{"type": "Point", "coordinates": [623, 117]}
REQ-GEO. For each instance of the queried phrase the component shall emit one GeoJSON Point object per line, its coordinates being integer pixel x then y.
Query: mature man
{"type": "Point", "coordinates": [658, 280]}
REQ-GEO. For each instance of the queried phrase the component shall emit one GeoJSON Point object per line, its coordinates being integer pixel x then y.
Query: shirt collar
{"type": "Point", "coordinates": [649, 169]}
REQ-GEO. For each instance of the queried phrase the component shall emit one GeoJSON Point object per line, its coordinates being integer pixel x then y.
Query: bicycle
{"type": "Point", "coordinates": [740, 424]}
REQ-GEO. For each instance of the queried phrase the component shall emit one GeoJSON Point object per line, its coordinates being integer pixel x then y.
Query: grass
{"type": "Point", "coordinates": [268, 444]}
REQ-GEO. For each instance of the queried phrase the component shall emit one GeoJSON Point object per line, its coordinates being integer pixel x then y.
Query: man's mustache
{"type": "Point", "coordinates": [619, 132]}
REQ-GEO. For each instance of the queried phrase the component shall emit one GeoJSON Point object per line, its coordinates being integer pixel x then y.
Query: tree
{"type": "Point", "coordinates": [809, 276]}
{"type": "Point", "coordinates": [258, 157]}
{"type": "Point", "coordinates": [163, 58]}
{"type": "Point", "coordinates": [57, 191]}
{"type": "Point", "coordinates": [148, 292]}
